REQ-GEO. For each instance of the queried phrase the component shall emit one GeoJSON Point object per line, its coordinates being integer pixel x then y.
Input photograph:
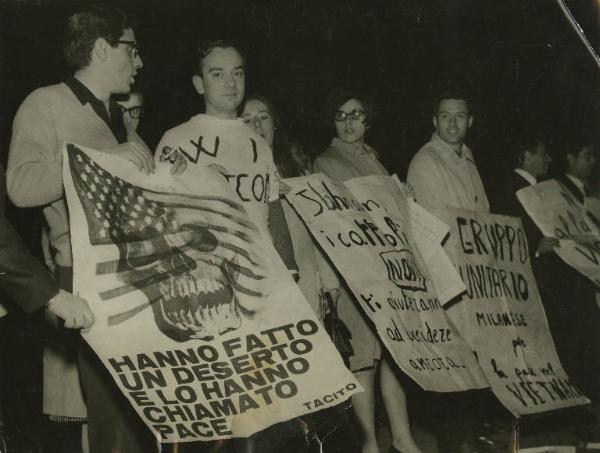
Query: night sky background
{"type": "Point", "coordinates": [521, 60]}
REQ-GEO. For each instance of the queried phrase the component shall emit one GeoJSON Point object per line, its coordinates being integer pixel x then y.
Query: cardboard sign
{"type": "Point", "coordinates": [372, 247]}
{"type": "Point", "coordinates": [503, 311]}
{"type": "Point", "coordinates": [558, 214]}
{"type": "Point", "coordinates": [197, 319]}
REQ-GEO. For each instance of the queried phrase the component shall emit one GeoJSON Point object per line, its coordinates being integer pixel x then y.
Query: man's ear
{"type": "Point", "coordinates": [470, 121]}
{"type": "Point", "coordinates": [198, 84]}
{"type": "Point", "coordinates": [100, 49]}
{"type": "Point", "coordinates": [526, 157]}
{"type": "Point", "coordinates": [435, 123]}
{"type": "Point", "coordinates": [570, 160]}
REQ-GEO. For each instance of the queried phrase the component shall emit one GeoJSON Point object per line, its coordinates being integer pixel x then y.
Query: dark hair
{"type": "Point", "coordinates": [204, 47]}
{"type": "Point", "coordinates": [286, 165]}
{"type": "Point", "coordinates": [338, 97]}
{"type": "Point", "coordinates": [85, 26]}
{"type": "Point", "coordinates": [523, 140]}
{"type": "Point", "coordinates": [573, 145]}
{"type": "Point", "coordinates": [453, 92]}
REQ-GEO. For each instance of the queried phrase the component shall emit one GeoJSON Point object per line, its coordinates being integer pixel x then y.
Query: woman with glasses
{"type": "Point", "coordinates": [349, 156]}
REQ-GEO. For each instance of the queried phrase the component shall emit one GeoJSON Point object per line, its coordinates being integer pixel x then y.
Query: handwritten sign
{"type": "Point", "coordinates": [197, 319]}
{"type": "Point", "coordinates": [503, 311]}
{"type": "Point", "coordinates": [373, 249]}
{"type": "Point", "coordinates": [240, 154]}
{"type": "Point", "coordinates": [558, 214]}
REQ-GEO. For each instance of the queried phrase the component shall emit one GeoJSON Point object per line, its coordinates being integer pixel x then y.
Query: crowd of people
{"type": "Point", "coordinates": [96, 108]}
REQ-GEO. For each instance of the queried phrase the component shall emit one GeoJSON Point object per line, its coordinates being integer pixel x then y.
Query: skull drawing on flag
{"type": "Point", "coordinates": [190, 255]}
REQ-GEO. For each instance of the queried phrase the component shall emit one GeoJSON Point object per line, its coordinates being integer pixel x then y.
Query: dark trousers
{"type": "Point", "coordinates": [574, 319]}
{"type": "Point", "coordinates": [113, 425]}
{"type": "Point", "coordinates": [462, 416]}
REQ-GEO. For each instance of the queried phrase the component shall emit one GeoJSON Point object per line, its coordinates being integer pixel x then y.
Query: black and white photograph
{"type": "Point", "coordinates": [299, 226]}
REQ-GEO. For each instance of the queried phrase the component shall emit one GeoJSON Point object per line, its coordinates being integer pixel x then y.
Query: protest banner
{"type": "Point", "coordinates": [503, 310]}
{"type": "Point", "coordinates": [197, 320]}
{"type": "Point", "coordinates": [373, 249]}
{"type": "Point", "coordinates": [558, 214]}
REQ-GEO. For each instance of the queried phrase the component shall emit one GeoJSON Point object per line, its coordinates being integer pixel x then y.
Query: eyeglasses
{"type": "Point", "coordinates": [132, 46]}
{"type": "Point", "coordinates": [136, 112]}
{"type": "Point", "coordinates": [355, 114]}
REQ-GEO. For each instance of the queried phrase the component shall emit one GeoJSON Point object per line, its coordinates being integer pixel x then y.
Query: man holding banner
{"type": "Point", "coordinates": [219, 76]}
{"type": "Point", "coordinates": [100, 46]}
{"type": "Point", "coordinates": [568, 294]}
{"type": "Point", "coordinates": [443, 174]}
{"type": "Point", "coordinates": [216, 141]}
{"type": "Point", "coordinates": [578, 342]}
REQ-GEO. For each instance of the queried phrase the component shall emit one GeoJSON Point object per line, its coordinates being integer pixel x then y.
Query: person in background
{"type": "Point", "coordinates": [349, 156]}
{"type": "Point", "coordinates": [530, 159]}
{"type": "Point", "coordinates": [302, 160]}
{"type": "Point", "coordinates": [569, 297]}
{"type": "Point", "coordinates": [578, 164]}
{"type": "Point", "coordinates": [132, 107]}
{"type": "Point", "coordinates": [556, 281]}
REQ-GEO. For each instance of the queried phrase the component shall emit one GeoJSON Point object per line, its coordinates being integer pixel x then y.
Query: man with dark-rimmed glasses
{"type": "Point", "coordinates": [132, 108]}
{"type": "Point", "coordinates": [100, 46]}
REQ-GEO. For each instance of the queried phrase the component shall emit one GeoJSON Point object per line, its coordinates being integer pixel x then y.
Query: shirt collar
{"type": "Point", "coordinates": [83, 93]}
{"type": "Point", "coordinates": [578, 182]}
{"type": "Point", "coordinates": [526, 176]}
{"type": "Point", "coordinates": [85, 96]}
{"type": "Point", "coordinates": [447, 152]}
{"type": "Point", "coordinates": [113, 117]}
{"type": "Point", "coordinates": [350, 148]}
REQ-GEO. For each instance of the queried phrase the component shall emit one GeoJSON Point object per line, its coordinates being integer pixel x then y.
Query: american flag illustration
{"type": "Point", "coordinates": [189, 254]}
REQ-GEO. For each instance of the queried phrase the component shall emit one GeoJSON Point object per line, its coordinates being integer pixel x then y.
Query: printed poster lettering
{"type": "Point", "coordinates": [197, 319]}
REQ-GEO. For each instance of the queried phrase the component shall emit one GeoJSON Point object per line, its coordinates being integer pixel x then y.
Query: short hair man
{"type": "Point", "coordinates": [100, 45]}
{"type": "Point", "coordinates": [443, 172]}
{"type": "Point", "coordinates": [219, 76]}
{"type": "Point", "coordinates": [530, 160]}
{"type": "Point", "coordinates": [569, 297]}
{"type": "Point", "coordinates": [579, 162]}
{"type": "Point", "coordinates": [227, 144]}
